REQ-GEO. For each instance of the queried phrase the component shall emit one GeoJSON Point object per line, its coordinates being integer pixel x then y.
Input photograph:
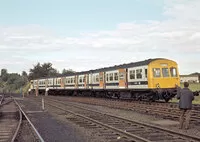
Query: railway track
{"type": "Point", "coordinates": [114, 128]}
{"type": "Point", "coordinates": [165, 110]}
{"type": "Point", "coordinates": [11, 119]}
{"type": "Point", "coordinates": [2, 99]}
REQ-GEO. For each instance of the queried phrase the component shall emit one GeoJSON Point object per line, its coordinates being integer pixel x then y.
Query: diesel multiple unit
{"type": "Point", "coordinates": [152, 79]}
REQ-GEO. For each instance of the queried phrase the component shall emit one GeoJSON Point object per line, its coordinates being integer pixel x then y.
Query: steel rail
{"type": "Point", "coordinates": [105, 125]}
{"type": "Point", "coordinates": [2, 99]}
{"type": "Point", "coordinates": [140, 123]}
{"type": "Point", "coordinates": [32, 126]}
{"type": "Point", "coordinates": [18, 127]}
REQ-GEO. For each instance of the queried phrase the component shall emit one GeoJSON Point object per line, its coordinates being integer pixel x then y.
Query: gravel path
{"type": "Point", "coordinates": [50, 128]}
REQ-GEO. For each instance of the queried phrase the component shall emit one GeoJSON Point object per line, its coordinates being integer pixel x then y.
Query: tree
{"type": "Point", "coordinates": [24, 77]}
{"type": "Point", "coordinates": [12, 81]}
{"type": "Point", "coordinates": [44, 70]}
{"type": "Point", "coordinates": [24, 73]}
{"type": "Point", "coordinates": [69, 71]}
{"type": "Point", "coordinates": [4, 74]}
{"type": "Point", "coordinates": [15, 81]}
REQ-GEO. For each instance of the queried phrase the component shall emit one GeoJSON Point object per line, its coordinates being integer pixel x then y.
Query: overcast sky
{"type": "Point", "coordinates": [89, 34]}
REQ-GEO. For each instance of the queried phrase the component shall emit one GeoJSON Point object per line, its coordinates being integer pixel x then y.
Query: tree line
{"type": "Point", "coordinates": [14, 81]}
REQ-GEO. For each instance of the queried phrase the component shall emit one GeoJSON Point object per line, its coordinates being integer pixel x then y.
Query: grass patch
{"type": "Point", "coordinates": [24, 89]}
{"type": "Point", "coordinates": [193, 87]}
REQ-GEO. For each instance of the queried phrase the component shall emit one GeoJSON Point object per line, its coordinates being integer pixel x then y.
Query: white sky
{"type": "Point", "coordinates": [176, 37]}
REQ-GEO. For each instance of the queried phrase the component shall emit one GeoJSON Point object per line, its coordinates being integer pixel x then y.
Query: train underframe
{"type": "Point", "coordinates": [138, 95]}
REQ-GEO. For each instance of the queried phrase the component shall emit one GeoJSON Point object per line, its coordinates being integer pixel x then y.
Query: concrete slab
{"type": "Point", "coordinates": [27, 112]}
{"type": "Point", "coordinates": [165, 122]}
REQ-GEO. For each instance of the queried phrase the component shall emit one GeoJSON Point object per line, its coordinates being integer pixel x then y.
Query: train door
{"type": "Point", "coordinates": [122, 78]}
{"type": "Point", "coordinates": [62, 84]}
{"type": "Point", "coordinates": [76, 81]}
{"type": "Point", "coordinates": [85, 81]}
{"type": "Point", "coordinates": [88, 80]}
{"type": "Point", "coordinates": [104, 80]}
{"type": "Point", "coordinates": [101, 81]}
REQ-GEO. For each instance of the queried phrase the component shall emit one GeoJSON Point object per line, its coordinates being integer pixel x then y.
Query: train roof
{"type": "Point", "coordinates": [132, 64]}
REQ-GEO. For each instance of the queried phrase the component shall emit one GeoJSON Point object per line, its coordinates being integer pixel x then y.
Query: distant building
{"type": "Point", "coordinates": [190, 78]}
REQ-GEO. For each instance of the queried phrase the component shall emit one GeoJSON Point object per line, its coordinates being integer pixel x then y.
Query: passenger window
{"type": "Point", "coordinates": [139, 73]}
{"type": "Point", "coordinates": [145, 73]}
{"type": "Point", "coordinates": [173, 72]}
{"type": "Point", "coordinates": [165, 72]}
{"type": "Point", "coordinates": [156, 72]}
{"type": "Point", "coordinates": [97, 78]}
{"type": "Point", "coordinates": [111, 76]}
{"type": "Point", "coordinates": [80, 79]}
{"type": "Point", "coordinates": [116, 76]}
{"type": "Point", "coordinates": [132, 74]}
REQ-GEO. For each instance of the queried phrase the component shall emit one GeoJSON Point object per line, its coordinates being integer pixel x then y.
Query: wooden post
{"type": "Point", "coordinates": [42, 103]}
{"type": "Point", "coordinates": [36, 92]}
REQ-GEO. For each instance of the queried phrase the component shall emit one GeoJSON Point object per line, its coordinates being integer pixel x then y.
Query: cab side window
{"type": "Point", "coordinates": [173, 72]}
{"type": "Point", "coordinates": [156, 72]}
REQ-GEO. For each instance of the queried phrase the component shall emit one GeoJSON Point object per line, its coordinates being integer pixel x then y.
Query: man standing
{"type": "Point", "coordinates": [185, 104]}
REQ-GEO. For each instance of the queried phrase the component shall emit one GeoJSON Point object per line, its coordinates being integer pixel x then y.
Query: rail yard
{"type": "Point", "coordinates": [65, 118]}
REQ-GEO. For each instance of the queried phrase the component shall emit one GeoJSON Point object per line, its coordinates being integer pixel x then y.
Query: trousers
{"type": "Point", "coordinates": [187, 114]}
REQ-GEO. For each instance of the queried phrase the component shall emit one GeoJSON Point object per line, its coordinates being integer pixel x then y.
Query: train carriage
{"type": "Point", "coordinates": [152, 79]}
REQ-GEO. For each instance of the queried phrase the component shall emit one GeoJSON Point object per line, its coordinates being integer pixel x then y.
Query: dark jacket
{"type": "Point", "coordinates": [186, 96]}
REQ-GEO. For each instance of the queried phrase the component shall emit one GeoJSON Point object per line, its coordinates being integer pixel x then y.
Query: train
{"type": "Point", "coordinates": [152, 80]}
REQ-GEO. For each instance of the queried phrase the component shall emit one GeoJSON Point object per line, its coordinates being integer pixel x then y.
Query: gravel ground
{"type": "Point", "coordinates": [49, 127]}
{"type": "Point", "coordinates": [89, 134]}
{"type": "Point", "coordinates": [57, 119]}
{"type": "Point", "coordinates": [25, 134]}
{"type": "Point", "coordinates": [173, 125]}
